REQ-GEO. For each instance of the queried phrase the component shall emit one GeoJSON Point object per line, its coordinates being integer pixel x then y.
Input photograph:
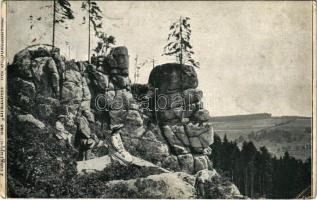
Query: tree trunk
{"type": "Point", "coordinates": [246, 182]}
{"type": "Point", "coordinates": [263, 186]}
{"type": "Point", "coordinates": [89, 31]}
{"type": "Point", "coordinates": [54, 16]}
{"type": "Point", "coordinates": [260, 183]}
{"type": "Point", "coordinates": [136, 69]}
{"type": "Point", "coordinates": [181, 60]}
{"type": "Point", "coordinates": [252, 183]}
{"type": "Point", "coordinates": [181, 39]}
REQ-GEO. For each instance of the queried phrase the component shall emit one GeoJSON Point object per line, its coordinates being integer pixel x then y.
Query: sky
{"type": "Point", "coordinates": [255, 57]}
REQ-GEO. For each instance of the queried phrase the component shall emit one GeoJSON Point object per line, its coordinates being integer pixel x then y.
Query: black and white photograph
{"type": "Point", "coordinates": [158, 99]}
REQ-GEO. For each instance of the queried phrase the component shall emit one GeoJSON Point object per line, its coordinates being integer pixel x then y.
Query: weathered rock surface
{"type": "Point", "coordinates": [22, 93]}
{"type": "Point", "coordinates": [31, 121]}
{"type": "Point", "coordinates": [101, 163]}
{"type": "Point", "coordinates": [172, 77]}
{"type": "Point", "coordinates": [166, 185]}
{"type": "Point", "coordinates": [216, 187]}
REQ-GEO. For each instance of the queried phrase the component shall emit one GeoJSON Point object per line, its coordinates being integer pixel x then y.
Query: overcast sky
{"type": "Point", "coordinates": [255, 56]}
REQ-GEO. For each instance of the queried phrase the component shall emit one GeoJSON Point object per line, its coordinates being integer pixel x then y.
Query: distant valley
{"type": "Point", "coordinates": [278, 134]}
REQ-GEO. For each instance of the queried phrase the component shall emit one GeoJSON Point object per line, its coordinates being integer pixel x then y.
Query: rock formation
{"type": "Point", "coordinates": [158, 131]}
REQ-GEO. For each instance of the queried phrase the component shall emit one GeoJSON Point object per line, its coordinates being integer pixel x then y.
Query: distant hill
{"type": "Point", "coordinates": [278, 134]}
{"type": "Point", "coordinates": [241, 117]}
{"type": "Point", "coordinates": [252, 117]}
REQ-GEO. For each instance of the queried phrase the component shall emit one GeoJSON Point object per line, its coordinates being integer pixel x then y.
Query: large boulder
{"type": "Point", "coordinates": [21, 64]}
{"type": "Point", "coordinates": [30, 121]}
{"type": "Point", "coordinates": [46, 76]}
{"type": "Point", "coordinates": [201, 136]}
{"type": "Point", "coordinates": [143, 147]}
{"type": "Point", "coordinates": [192, 96]}
{"type": "Point", "coordinates": [47, 108]}
{"type": "Point", "coordinates": [180, 134]}
{"type": "Point", "coordinates": [100, 64]}
{"type": "Point", "coordinates": [121, 57]}
{"type": "Point", "coordinates": [172, 77]}
{"type": "Point", "coordinates": [169, 101]}
{"type": "Point", "coordinates": [201, 162]}
{"type": "Point", "coordinates": [211, 185]}
{"type": "Point", "coordinates": [99, 81]}
{"type": "Point", "coordinates": [71, 92]}
{"type": "Point", "coordinates": [134, 123]}
{"type": "Point", "coordinates": [75, 87]}
{"type": "Point", "coordinates": [42, 52]}
{"type": "Point", "coordinates": [162, 186]}
{"type": "Point", "coordinates": [186, 162]}
{"type": "Point", "coordinates": [117, 62]}
{"type": "Point", "coordinates": [121, 82]}
{"type": "Point", "coordinates": [117, 117]}
{"type": "Point", "coordinates": [201, 115]}
{"type": "Point", "coordinates": [122, 100]}
{"type": "Point", "coordinates": [170, 115]}
{"type": "Point", "coordinates": [40, 68]}
{"type": "Point", "coordinates": [75, 92]}
{"type": "Point", "coordinates": [22, 93]}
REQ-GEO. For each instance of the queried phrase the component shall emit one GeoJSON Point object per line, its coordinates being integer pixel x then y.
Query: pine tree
{"type": "Point", "coordinates": [257, 174]}
{"type": "Point", "coordinates": [179, 42]}
{"type": "Point", "coordinates": [226, 152]}
{"type": "Point", "coordinates": [266, 172]}
{"type": "Point", "coordinates": [94, 18]}
{"type": "Point", "coordinates": [62, 12]}
{"type": "Point", "coordinates": [216, 151]}
{"type": "Point", "coordinates": [248, 153]}
{"type": "Point", "coordinates": [234, 154]}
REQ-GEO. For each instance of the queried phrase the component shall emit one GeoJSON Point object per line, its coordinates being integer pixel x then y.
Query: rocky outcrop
{"type": "Point", "coordinates": [154, 187]}
{"type": "Point", "coordinates": [160, 130]}
{"type": "Point", "coordinates": [104, 162]}
{"type": "Point", "coordinates": [183, 121]}
{"type": "Point", "coordinates": [43, 84]}
{"type": "Point", "coordinates": [207, 184]}
{"type": "Point", "coordinates": [29, 120]}
{"type": "Point", "coordinates": [172, 77]}
{"type": "Point", "coordinates": [211, 185]}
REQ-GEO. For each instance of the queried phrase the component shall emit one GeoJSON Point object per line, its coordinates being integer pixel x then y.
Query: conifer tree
{"type": "Point", "coordinates": [62, 12]}
{"type": "Point", "coordinates": [257, 174]}
{"type": "Point", "coordinates": [179, 42]}
{"type": "Point", "coordinates": [94, 18]}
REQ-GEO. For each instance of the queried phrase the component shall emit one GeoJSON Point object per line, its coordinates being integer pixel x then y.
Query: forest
{"type": "Point", "coordinates": [258, 174]}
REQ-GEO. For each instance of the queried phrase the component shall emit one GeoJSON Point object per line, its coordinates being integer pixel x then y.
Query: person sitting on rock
{"type": "Point", "coordinates": [84, 139]}
{"type": "Point", "coordinates": [62, 134]}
